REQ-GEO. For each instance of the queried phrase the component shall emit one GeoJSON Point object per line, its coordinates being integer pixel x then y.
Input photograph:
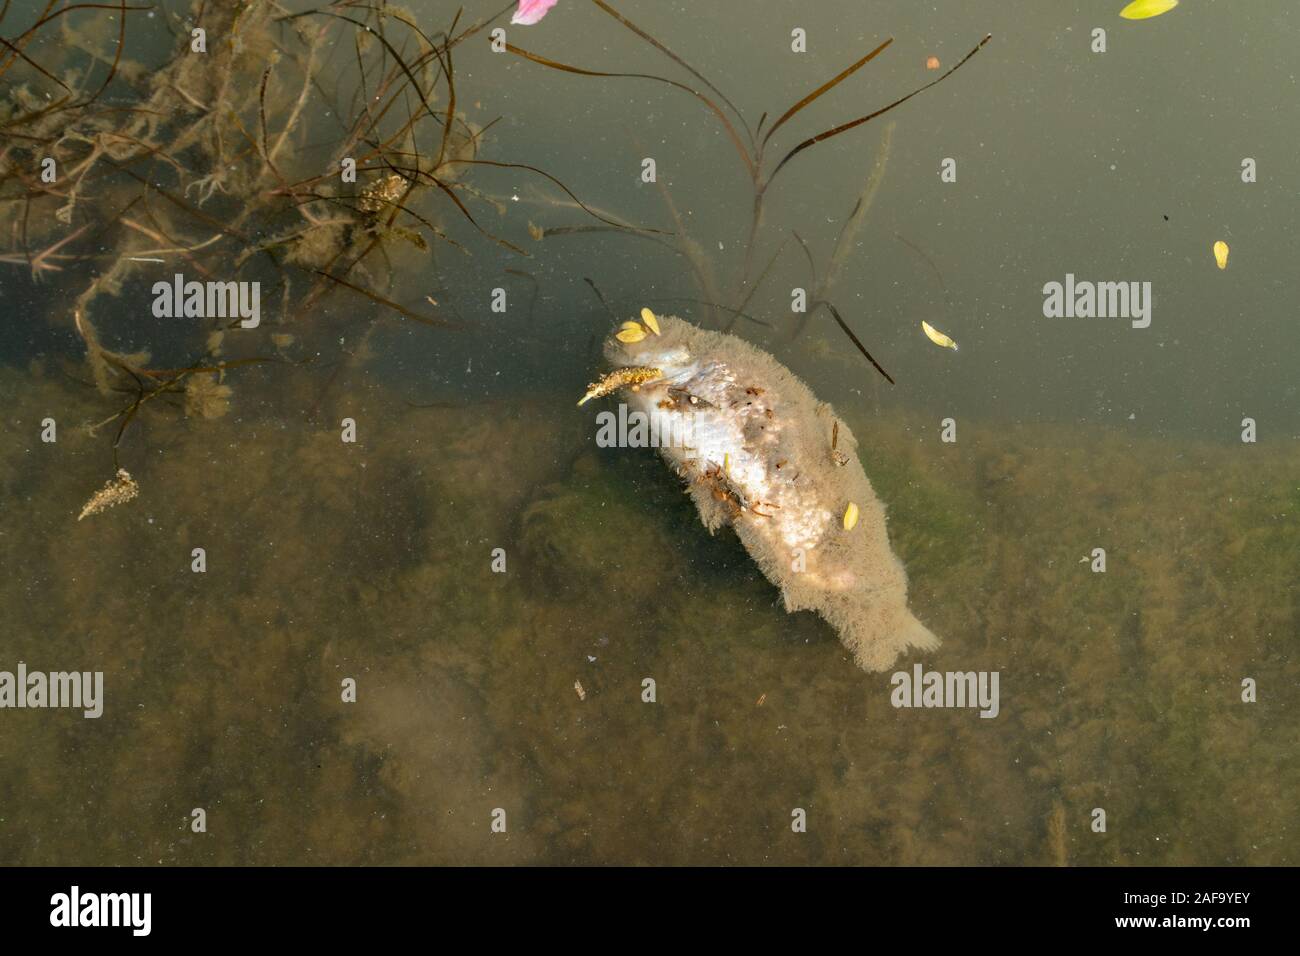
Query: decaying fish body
{"type": "Point", "coordinates": [766, 457]}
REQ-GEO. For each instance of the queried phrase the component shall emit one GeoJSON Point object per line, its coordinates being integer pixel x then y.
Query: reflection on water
{"type": "Point", "coordinates": [473, 557]}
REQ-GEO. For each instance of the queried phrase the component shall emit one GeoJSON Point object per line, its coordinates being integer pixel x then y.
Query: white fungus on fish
{"type": "Point", "coordinates": [769, 459]}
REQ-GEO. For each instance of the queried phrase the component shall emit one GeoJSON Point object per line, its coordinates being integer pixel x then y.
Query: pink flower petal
{"type": "Point", "coordinates": [530, 11]}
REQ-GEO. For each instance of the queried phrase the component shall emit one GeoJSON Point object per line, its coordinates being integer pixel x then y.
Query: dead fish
{"type": "Point", "coordinates": [759, 460]}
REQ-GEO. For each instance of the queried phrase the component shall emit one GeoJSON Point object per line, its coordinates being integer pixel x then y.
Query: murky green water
{"type": "Point", "coordinates": [1163, 691]}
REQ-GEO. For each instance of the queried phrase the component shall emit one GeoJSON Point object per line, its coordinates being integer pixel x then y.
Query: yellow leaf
{"type": "Point", "coordinates": [1221, 254]}
{"type": "Point", "coordinates": [850, 516]}
{"type": "Point", "coordinates": [650, 321]}
{"type": "Point", "coordinates": [630, 332]}
{"type": "Point", "coordinates": [1146, 9]}
{"type": "Point", "coordinates": [937, 337]}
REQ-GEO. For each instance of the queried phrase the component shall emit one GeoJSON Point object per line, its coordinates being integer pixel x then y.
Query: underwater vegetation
{"type": "Point", "coordinates": [754, 150]}
{"type": "Point", "coordinates": [309, 155]}
{"type": "Point", "coordinates": [1120, 690]}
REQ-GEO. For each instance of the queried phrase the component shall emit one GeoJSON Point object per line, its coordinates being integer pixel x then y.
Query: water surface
{"type": "Point", "coordinates": [373, 560]}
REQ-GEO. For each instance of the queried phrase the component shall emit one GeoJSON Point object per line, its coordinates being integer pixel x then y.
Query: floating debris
{"type": "Point", "coordinates": [762, 699]}
{"type": "Point", "coordinates": [633, 375]}
{"type": "Point", "coordinates": [650, 321]}
{"type": "Point", "coordinates": [577, 686]}
{"type": "Point", "coordinates": [932, 63]}
{"type": "Point", "coordinates": [531, 11]}
{"type": "Point", "coordinates": [120, 489]}
{"type": "Point", "coordinates": [850, 516]}
{"type": "Point", "coordinates": [206, 397]}
{"type": "Point", "coordinates": [937, 337]}
{"type": "Point", "coordinates": [1221, 254]}
{"type": "Point", "coordinates": [381, 195]}
{"type": "Point", "coordinates": [631, 332]}
{"type": "Point", "coordinates": [1146, 9]}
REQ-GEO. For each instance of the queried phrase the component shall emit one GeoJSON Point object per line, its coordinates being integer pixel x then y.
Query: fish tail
{"type": "Point", "coordinates": [877, 650]}
{"type": "Point", "coordinates": [917, 635]}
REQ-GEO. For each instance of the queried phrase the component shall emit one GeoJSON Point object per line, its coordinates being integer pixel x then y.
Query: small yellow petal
{"type": "Point", "coordinates": [630, 332]}
{"type": "Point", "coordinates": [650, 321]}
{"type": "Point", "coordinates": [1221, 254]}
{"type": "Point", "coordinates": [937, 337]}
{"type": "Point", "coordinates": [850, 516]}
{"type": "Point", "coordinates": [1146, 9]}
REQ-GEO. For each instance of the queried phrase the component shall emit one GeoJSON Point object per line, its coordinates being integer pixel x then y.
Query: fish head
{"type": "Point", "coordinates": [668, 351]}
